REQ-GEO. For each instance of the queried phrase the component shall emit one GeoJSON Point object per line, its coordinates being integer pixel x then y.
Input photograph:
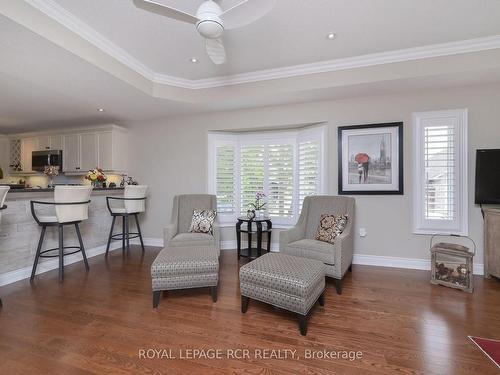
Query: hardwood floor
{"type": "Point", "coordinates": [99, 322]}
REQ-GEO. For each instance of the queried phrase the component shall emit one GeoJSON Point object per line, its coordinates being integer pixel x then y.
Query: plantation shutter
{"type": "Point", "coordinates": [439, 165]}
{"type": "Point", "coordinates": [308, 169]}
{"type": "Point", "coordinates": [251, 174]}
{"type": "Point", "coordinates": [225, 180]}
{"type": "Point", "coordinates": [441, 172]}
{"type": "Point", "coordinates": [280, 180]}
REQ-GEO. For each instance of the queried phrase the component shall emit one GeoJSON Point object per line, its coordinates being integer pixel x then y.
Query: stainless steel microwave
{"type": "Point", "coordinates": [41, 159]}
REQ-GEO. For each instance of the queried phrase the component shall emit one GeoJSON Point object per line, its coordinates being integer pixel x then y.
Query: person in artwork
{"type": "Point", "coordinates": [366, 167]}
{"type": "Point", "coordinates": [360, 172]}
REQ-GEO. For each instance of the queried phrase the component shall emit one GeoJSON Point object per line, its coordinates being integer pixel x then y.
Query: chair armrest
{"type": "Point", "coordinates": [168, 233]}
{"type": "Point", "coordinates": [344, 250]}
{"type": "Point", "coordinates": [216, 233]}
{"type": "Point", "coordinates": [290, 235]}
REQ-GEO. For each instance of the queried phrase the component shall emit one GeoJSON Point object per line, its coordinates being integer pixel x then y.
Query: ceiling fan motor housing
{"type": "Point", "coordinates": [210, 25]}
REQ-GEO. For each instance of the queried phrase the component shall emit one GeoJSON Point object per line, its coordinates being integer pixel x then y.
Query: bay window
{"type": "Point", "coordinates": [287, 166]}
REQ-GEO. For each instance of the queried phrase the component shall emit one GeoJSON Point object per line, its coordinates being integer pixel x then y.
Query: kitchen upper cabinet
{"type": "Point", "coordinates": [88, 151]}
{"type": "Point", "coordinates": [50, 142]}
{"type": "Point", "coordinates": [28, 145]}
{"type": "Point", "coordinates": [71, 153]}
{"type": "Point", "coordinates": [112, 151]}
{"type": "Point", "coordinates": [105, 150]}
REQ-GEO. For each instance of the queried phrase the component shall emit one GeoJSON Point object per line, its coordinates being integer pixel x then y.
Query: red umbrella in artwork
{"type": "Point", "coordinates": [362, 158]}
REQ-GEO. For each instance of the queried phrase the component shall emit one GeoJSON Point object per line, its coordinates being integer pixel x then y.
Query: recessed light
{"type": "Point", "coordinates": [194, 60]}
{"type": "Point", "coordinates": [330, 36]}
{"type": "Point", "coordinates": [100, 110]}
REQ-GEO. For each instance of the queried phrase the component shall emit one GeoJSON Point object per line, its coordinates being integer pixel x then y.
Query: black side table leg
{"type": "Point", "coordinates": [259, 238]}
{"type": "Point", "coordinates": [269, 229]}
{"type": "Point", "coordinates": [238, 237]}
{"type": "Point", "coordinates": [249, 240]}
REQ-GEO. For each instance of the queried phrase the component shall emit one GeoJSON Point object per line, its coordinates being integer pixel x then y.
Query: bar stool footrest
{"type": "Point", "coordinates": [57, 249]}
{"type": "Point", "coordinates": [121, 237]}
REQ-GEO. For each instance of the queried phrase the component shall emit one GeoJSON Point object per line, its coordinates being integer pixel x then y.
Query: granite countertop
{"type": "Point", "coordinates": [45, 190]}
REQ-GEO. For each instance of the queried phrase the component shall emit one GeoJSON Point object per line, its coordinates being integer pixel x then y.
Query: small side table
{"type": "Point", "coordinates": [253, 252]}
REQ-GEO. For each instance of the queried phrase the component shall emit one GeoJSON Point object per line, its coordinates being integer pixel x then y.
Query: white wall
{"type": "Point", "coordinates": [170, 156]}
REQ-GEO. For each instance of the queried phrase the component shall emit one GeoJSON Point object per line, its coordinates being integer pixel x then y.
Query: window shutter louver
{"type": "Point", "coordinates": [252, 174]}
{"type": "Point", "coordinates": [280, 180]}
{"type": "Point", "coordinates": [439, 164]}
{"type": "Point", "coordinates": [309, 169]}
{"type": "Point", "coordinates": [225, 179]}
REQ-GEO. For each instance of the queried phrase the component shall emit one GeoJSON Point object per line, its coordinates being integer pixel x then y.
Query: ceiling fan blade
{"type": "Point", "coordinates": [216, 51]}
{"type": "Point", "coordinates": [163, 10]}
{"type": "Point", "coordinates": [246, 12]}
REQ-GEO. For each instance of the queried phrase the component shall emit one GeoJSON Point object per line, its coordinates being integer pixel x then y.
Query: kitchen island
{"type": "Point", "coordinates": [19, 233]}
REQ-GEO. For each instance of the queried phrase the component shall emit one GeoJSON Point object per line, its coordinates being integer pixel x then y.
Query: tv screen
{"type": "Point", "coordinates": [488, 176]}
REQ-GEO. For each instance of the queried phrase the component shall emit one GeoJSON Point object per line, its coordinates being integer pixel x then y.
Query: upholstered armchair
{"type": "Point", "coordinates": [177, 234]}
{"type": "Point", "coordinates": [300, 240]}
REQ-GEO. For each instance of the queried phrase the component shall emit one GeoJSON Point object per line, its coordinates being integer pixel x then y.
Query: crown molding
{"type": "Point", "coordinates": [73, 23]}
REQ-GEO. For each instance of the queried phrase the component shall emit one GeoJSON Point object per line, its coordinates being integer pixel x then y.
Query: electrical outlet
{"type": "Point", "coordinates": [362, 232]}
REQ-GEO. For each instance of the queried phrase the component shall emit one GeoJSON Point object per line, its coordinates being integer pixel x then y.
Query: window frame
{"type": "Point", "coordinates": [460, 225]}
{"type": "Point", "coordinates": [267, 138]}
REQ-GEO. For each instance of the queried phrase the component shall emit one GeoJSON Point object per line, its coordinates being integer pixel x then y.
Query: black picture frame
{"type": "Point", "coordinates": [399, 190]}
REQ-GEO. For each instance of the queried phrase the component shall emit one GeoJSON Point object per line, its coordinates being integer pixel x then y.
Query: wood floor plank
{"type": "Point", "coordinates": [97, 323]}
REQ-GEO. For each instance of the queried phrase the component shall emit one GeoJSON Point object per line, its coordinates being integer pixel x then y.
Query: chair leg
{"type": "Point", "coordinates": [1, 303]}
{"type": "Point", "coordinates": [110, 234]}
{"type": "Point", "coordinates": [61, 254]}
{"type": "Point", "coordinates": [127, 231]}
{"type": "Point", "coordinates": [139, 231]}
{"type": "Point", "coordinates": [350, 268]}
{"type": "Point", "coordinates": [244, 304]}
{"type": "Point", "coordinates": [338, 285]}
{"type": "Point", "coordinates": [302, 324]}
{"type": "Point", "coordinates": [82, 248]}
{"type": "Point", "coordinates": [156, 298]}
{"type": "Point", "coordinates": [213, 292]}
{"type": "Point", "coordinates": [39, 248]}
{"type": "Point", "coordinates": [123, 233]}
{"type": "Point", "coordinates": [321, 299]}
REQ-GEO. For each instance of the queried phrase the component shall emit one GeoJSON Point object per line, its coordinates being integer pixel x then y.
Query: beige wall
{"type": "Point", "coordinates": [171, 157]}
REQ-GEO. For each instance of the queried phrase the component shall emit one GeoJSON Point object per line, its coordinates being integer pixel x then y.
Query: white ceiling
{"type": "Point", "coordinates": [52, 76]}
{"type": "Point", "coordinates": [294, 32]}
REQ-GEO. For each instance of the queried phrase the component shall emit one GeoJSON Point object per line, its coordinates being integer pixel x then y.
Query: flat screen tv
{"type": "Point", "coordinates": [488, 176]}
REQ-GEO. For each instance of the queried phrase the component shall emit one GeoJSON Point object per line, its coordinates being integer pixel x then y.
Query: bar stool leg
{"type": "Point", "coordinates": [39, 248]}
{"type": "Point", "coordinates": [127, 231]}
{"type": "Point", "coordinates": [82, 248]}
{"type": "Point", "coordinates": [61, 254]}
{"type": "Point", "coordinates": [139, 231]}
{"type": "Point", "coordinates": [123, 233]}
{"type": "Point", "coordinates": [110, 234]}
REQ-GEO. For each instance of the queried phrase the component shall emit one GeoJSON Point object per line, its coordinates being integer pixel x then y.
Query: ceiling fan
{"type": "Point", "coordinates": [211, 21]}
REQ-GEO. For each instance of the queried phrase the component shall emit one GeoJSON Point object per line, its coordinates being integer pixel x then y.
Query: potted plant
{"type": "Point", "coordinates": [96, 177]}
{"type": "Point", "coordinates": [259, 204]}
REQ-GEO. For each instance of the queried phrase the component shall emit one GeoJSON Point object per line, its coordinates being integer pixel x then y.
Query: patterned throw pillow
{"type": "Point", "coordinates": [330, 226]}
{"type": "Point", "coordinates": [202, 221]}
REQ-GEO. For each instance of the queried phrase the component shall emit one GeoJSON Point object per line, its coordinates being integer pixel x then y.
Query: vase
{"type": "Point", "coordinates": [259, 214]}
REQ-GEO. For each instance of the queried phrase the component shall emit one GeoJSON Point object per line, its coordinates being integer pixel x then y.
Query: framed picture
{"type": "Point", "coordinates": [371, 159]}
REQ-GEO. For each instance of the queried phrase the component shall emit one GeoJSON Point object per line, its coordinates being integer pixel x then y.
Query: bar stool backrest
{"type": "Point", "coordinates": [3, 195]}
{"type": "Point", "coordinates": [70, 194]}
{"type": "Point", "coordinates": [135, 191]}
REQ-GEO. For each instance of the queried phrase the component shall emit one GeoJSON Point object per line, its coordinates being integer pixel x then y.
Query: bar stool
{"type": "Point", "coordinates": [71, 208]}
{"type": "Point", "coordinates": [3, 194]}
{"type": "Point", "coordinates": [134, 202]}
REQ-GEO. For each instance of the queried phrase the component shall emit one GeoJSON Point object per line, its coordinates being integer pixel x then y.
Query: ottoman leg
{"type": "Point", "coordinates": [244, 304]}
{"type": "Point", "coordinates": [321, 299]}
{"type": "Point", "coordinates": [302, 324]}
{"type": "Point", "coordinates": [213, 292]}
{"type": "Point", "coordinates": [156, 298]}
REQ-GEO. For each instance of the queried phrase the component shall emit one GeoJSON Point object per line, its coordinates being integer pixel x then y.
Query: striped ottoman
{"type": "Point", "coordinates": [285, 281]}
{"type": "Point", "coordinates": [184, 268]}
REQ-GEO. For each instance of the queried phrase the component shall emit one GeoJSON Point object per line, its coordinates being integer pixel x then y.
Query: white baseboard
{"type": "Point", "coordinates": [367, 260]}
{"type": "Point", "coordinates": [25, 273]}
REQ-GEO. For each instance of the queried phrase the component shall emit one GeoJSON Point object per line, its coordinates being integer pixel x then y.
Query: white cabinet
{"type": "Point", "coordinates": [50, 142]}
{"type": "Point", "coordinates": [28, 145]}
{"type": "Point", "coordinates": [112, 151]}
{"type": "Point", "coordinates": [71, 153]}
{"type": "Point", "coordinates": [88, 151]}
{"type": "Point", "coordinates": [104, 147]}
